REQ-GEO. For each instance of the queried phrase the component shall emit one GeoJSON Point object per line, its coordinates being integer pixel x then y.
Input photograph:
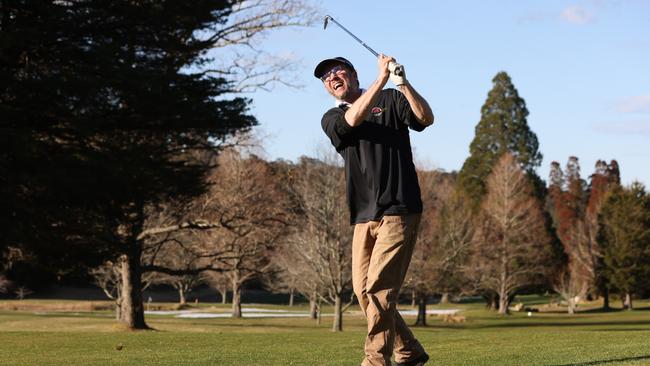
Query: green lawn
{"type": "Point", "coordinates": [93, 338]}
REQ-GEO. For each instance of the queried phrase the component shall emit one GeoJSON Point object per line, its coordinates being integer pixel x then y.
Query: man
{"type": "Point", "coordinates": [370, 129]}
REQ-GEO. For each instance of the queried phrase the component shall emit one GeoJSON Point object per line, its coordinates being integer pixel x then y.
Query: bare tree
{"type": "Point", "coordinates": [241, 57]}
{"type": "Point", "coordinates": [293, 272]}
{"type": "Point", "coordinates": [8, 256]}
{"type": "Point", "coordinates": [567, 204]}
{"type": "Point", "coordinates": [109, 277]}
{"type": "Point", "coordinates": [219, 281]}
{"type": "Point", "coordinates": [173, 251]}
{"type": "Point", "coordinates": [603, 181]}
{"type": "Point", "coordinates": [576, 222]}
{"type": "Point", "coordinates": [319, 251]}
{"type": "Point", "coordinates": [569, 287]}
{"type": "Point", "coordinates": [450, 252]}
{"type": "Point", "coordinates": [253, 211]}
{"type": "Point", "coordinates": [243, 214]}
{"type": "Point", "coordinates": [511, 246]}
{"type": "Point", "coordinates": [443, 242]}
{"type": "Point", "coordinates": [5, 284]}
{"type": "Point", "coordinates": [177, 255]}
{"type": "Point", "coordinates": [22, 292]}
{"type": "Point", "coordinates": [282, 280]}
{"type": "Point", "coordinates": [582, 264]}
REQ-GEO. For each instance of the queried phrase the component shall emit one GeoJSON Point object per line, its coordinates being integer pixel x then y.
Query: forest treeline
{"type": "Point", "coordinates": [124, 154]}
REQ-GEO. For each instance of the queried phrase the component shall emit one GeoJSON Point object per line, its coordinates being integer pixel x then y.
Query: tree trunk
{"type": "Point", "coordinates": [223, 291]}
{"type": "Point", "coordinates": [236, 296]}
{"type": "Point", "coordinates": [572, 305]}
{"type": "Point", "coordinates": [291, 297]}
{"type": "Point", "coordinates": [181, 295]}
{"type": "Point", "coordinates": [444, 299]}
{"type": "Point", "coordinates": [338, 315]}
{"type": "Point", "coordinates": [132, 308]}
{"type": "Point", "coordinates": [627, 304]}
{"type": "Point", "coordinates": [491, 301]}
{"type": "Point", "coordinates": [422, 311]}
{"type": "Point", "coordinates": [503, 304]}
{"type": "Point", "coordinates": [318, 311]}
{"type": "Point", "coordinates": [313, 307]}
{"type": "Point", "coordinates": [118, 308]}
{"type": "Point", "coordinates": [606, 299]}
{"type": "Point", "coordinates": [413, 299]}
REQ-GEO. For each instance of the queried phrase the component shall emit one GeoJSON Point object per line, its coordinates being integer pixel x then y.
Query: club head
{"type": "Point", "coordinates": [326, 20]}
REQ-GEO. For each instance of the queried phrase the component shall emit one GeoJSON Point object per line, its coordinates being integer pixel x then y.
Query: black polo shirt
{"type": "Point", "coordinates": [379, 170]}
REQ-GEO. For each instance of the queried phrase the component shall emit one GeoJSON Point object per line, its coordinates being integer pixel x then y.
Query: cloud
{"type": "Point", "coordinates": [576, 15]}
{"type": "Point", "coordinates": [638, 127]}
{"type": "Point", "coordinates": [637, 104]}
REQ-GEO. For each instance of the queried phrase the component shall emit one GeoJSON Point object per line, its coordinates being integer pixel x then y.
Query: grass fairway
{"type": "Point", "coordinates": [93, 338]}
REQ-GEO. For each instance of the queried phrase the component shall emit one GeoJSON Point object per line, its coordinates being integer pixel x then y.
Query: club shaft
{"type": "Point", "coordinates": [355, 37]}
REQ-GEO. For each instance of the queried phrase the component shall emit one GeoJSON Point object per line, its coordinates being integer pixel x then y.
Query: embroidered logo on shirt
{"type": "Point", "coordinates": [376, 111]}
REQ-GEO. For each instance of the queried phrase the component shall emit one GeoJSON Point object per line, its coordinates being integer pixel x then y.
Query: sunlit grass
{"type": "Point", "coordinates": [94, 338]}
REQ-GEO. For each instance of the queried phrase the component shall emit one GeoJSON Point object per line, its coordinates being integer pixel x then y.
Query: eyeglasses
{"type": "Point", "coordinates": [330, 74]}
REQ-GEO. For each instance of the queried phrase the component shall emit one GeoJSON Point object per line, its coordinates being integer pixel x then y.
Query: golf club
{"type": "Point", "coordinates": [395, 68]}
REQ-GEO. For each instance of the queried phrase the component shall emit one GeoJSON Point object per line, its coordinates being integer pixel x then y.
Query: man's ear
{"type": "Point", "coordinates": [355, 76]}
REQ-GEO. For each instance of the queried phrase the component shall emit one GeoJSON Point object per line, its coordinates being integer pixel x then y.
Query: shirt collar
{"type": "Point", "coordinates": [339, 103]}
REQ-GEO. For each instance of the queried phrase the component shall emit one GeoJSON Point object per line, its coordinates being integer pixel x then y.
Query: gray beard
{"type": "Point", "coordinates": [349, 92]}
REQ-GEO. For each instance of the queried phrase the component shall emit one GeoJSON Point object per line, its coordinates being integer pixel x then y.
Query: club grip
{"type": "Point", "coordinates": [396, 68]}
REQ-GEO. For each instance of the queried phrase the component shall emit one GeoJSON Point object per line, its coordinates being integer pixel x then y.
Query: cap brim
{"type": "Point", "coordinates": [327, 64]}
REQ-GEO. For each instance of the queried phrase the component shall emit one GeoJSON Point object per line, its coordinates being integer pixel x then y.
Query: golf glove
{"type": "Point", "coordinates": [397, 74]}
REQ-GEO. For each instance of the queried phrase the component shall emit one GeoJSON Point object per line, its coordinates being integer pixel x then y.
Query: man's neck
{"type": "Point", "coordinates": [352, 98]}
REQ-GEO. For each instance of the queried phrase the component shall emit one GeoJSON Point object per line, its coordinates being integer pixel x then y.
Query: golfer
{"type": "Point", "coordinates": [370, 129]}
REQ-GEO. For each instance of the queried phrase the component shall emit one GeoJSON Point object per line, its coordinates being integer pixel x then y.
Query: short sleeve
{"type": "Point", "coordinates": [336, 128]}
{"type": "Point", "coordinates": [406, 113]}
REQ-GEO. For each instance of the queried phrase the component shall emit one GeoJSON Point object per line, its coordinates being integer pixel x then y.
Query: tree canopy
{"type": "Point", "coordinates": [103, 104]}
{"type": "Point", "coordinates": [503, 128]}
{"type": "Point", "coordinates": [624, 235]}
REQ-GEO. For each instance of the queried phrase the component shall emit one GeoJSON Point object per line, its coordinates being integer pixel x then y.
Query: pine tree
{"type": "Point", "coordinates": [624, 236]}
{"type": "Point", "coordinates": [602, 182]}
{"type": "Point", "coordinates": [102, 103]}
{"type": "Point", "coordinates": [502, 128]}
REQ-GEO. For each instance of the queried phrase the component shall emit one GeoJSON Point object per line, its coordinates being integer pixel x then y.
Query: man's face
{"type": "Point", "coordinates": [341, 82]}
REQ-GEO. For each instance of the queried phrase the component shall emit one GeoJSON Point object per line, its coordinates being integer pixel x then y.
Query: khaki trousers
{"type": "Point", "coordinates": [381, 253]}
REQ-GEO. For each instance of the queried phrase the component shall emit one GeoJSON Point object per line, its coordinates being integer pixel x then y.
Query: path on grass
{"type": "Point", "coordinates": [249, 312]}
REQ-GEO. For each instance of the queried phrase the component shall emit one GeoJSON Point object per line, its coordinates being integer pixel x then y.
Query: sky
{"type": "Point", "coordinates": [583, 68]}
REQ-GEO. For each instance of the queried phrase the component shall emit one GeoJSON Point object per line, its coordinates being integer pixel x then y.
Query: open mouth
{"type": "Point", "coordinates": [337, 85]}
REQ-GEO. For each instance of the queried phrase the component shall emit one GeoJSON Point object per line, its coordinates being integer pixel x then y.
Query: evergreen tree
{"type": "Point", "coordinates": [502, 128]}
{"type": "Point", "coordinates": [624, 235]}
{"type": "Point", "coordinates": [102, 103]}
{"type": "Point", "coordinates": [602, 182]}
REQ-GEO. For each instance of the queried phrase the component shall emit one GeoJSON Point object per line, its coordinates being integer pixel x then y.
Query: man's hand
{"type": "Point", "coordinates": [397, 74]}
{"type": "Point", "coordinates": [384, 72]}
{"type": "Point", "coordinates": [360, 109]}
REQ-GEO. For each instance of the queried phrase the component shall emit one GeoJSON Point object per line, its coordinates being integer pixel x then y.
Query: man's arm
{"type": "Point", "coordinates": [360, 109]}
{"type": "Point", "coordinates": [419, 105]}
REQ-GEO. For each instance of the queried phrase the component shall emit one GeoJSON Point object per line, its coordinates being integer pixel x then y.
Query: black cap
{"type": "Point", "coordinates": [322, 66]}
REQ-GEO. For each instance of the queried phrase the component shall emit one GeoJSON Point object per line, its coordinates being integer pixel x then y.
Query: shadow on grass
{"type": "Point", "coordinates": [611, 310]}
{"type": "Point", "coordinates": [567, 323]}
{"type": "Point", "coordinates": [620, 330]}
{"type": "Point", "coordinates": [532, 324]}
{"type": "Point", "coordinates": [599, 311]}
{"type": "Point", "coordinates": [646, 308]}
{"type": "Point", "coordinates": [603, 362]}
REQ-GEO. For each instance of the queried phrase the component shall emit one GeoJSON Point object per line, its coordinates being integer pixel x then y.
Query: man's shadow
{"type": "Point", "coordinates": [603, 362]}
